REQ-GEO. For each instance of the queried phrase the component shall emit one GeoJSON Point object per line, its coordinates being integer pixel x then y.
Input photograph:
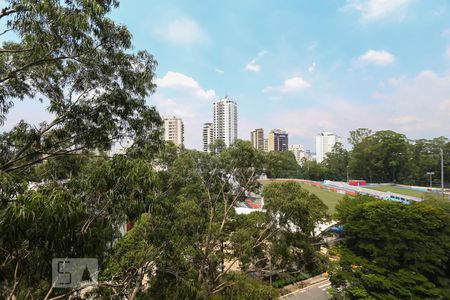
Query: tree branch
{"type": "Point", "coordinates": [15, 50]}
{"type": "Point", "coordinates": [7, 11]}
{"type": "Point", "coordinates": [34, 63]}
{"type": "Point", "coordinates": [5, 31]}
{"type": "Point", "coordinates": [11, 295]}
{"type": "Point", "coordinates": [49, 155]}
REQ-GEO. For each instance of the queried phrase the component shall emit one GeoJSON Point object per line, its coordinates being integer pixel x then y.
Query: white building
{"type": "Point", "coordinates": [325, 142]}
{"type": "Point", "coordinates": [299, 152]}
{"type": "Point", "coordinates": [208, 136]}
{"type": "Point", "coordinates": [225, 121]}
{"type": "Point", "coordinates": [173, 130]}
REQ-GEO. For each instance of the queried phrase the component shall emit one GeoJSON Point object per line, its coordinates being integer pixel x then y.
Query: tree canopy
{"type": "Point", "coordinates": [393, 250]}
{"type": "Point", "coordinates": [75, 60]}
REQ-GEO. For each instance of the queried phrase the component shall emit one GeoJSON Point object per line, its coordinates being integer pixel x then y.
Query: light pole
{"type": "Point", "coordinates": [442, 172]}
{"type": "Point", "coordinates": [431, 176]}
{"type": "Point", "coordinates": [347, 173]}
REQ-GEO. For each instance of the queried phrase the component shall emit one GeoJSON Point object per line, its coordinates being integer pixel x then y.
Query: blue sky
{"type": "Point", "coordinates": [302, 66]}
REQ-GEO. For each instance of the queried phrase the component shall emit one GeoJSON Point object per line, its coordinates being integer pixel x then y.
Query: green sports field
{"type": "Point", "coordinates": [329, 198]}
{"type": "Point", "coordinates": [398, 190]}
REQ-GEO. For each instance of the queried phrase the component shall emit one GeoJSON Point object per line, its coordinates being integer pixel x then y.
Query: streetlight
{"type": "Point", "coordinates": [442, 172]}
{"type": "Point", "coordinates": [431, 176]}
{"type": "Point", "coordinates": [347, 173]}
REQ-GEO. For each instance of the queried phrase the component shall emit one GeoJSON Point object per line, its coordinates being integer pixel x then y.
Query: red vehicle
{"type": "Point", "coordinates": [357, 182]}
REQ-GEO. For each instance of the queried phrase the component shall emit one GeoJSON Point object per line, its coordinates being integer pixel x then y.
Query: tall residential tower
{"type": "Point", "coordinates": [173, 130]}
{"type": "Point", "coordinates": [277, 140]}
{"type": "Point", "coordinates": [299, 152]}
{"type": "Point", "coordinates": [225, 121]}
{"type": "Point", "coordinates": [257, 138]}
{"type": "Point", "coordinates": [325, 142]}
{"type": "Point", "coordinates": [208, 136]}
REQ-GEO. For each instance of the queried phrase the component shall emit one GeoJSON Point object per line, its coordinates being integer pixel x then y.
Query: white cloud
{"type": "Point", "coordinates": [294, 84]}
{"type": "Point", "coordinates": [405, 119]}
{"type": "Point", "coordinates": [312, 67]}
{"type": "Point", "coordinates": [182, 31]}
{"type": "Point", "coordinates": [253, 65]}
{"type": "Point", "coordinates": [219, 71]}
{"type": "Point", "coordinates": [380, 58]}
{"type": "Point", "coordinates": [181, 95]}
{"type": "Point", "coordinates": [446, 32]}
{"type": "Point", "coordinates": [418, 107]}
{"type": "Point", "coordinates": [372, 10]}
{"type": "Point", "coordinates": [185, 83]}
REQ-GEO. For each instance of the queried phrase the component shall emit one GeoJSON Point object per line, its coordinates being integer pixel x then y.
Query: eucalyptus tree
{"type": "Point", "coordinates": [197, 241]}
{"type": "Point", "coordinates": [294, 215]}
{"type": "Point", "coordinates": [77, 218]}
{"type": "Point", "coordinates": [78, 63]}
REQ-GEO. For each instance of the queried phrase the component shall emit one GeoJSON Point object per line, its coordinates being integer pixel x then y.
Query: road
{"type": "Point", "coordinates": [317, 291]}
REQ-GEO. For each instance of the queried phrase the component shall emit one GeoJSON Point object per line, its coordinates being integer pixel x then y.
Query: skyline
{"type": "Point", "coordinates": [302, 67]}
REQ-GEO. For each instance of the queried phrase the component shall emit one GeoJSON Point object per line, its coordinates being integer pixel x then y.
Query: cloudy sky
{"type": "Point", "coordinates": [302, 66]}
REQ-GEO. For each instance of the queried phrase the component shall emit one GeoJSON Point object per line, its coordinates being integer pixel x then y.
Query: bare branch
{"type": "Point", "coordinates": [11, 295]}
{"type": "Point", "coordinates": [7, 11]}
{"type": "Point", "coordinates": [15, 50]}
{"type": "Point", "coordinates": [35, 63]}
{"type": "Point", "coordinates": [5, 31]}
{"type": "Point", "coordinates": [49, 155]}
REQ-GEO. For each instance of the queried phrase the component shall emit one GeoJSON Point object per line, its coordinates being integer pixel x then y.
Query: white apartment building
{"type": "Point", "coordinates": [225, 121]}
{"type": "Point", "coordinates": [173, 130]}
{"type": "Point", "coordinates": [325, 142]}
{"type": "Point", "coordinates": [208, 136]}
{"type": "Point", "coordinates": [298, 151]}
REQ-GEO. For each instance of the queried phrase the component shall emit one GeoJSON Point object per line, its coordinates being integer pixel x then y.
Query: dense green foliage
{"type": "Point", "coordinates": [393, 250]}
{"type": "Point", "coordinates": [77, 62]}
{"type": "Point", "coordinates": [187, 240]}
{"type": "Point", "coordinates": [383, 156]}
{"type": "Point", "coordinates": [295, 214]}
{"type": "Point", "coordinates": [281, 165]}
{"type": "Point", "coordinates": [61, 196]}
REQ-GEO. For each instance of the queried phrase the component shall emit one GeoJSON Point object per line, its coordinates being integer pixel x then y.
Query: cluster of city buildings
{"type": "Point", "coordinates": [224, 127]}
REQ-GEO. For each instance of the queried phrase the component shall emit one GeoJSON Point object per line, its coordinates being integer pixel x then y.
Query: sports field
{"type": "Point", "coordinates": [329, 198]}
{"type": "Point", "coordinates": [398, 190]}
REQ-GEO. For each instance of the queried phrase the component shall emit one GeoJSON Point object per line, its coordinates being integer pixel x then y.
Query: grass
{"type": "Point", "coordinates": [329, 198]}
{"type": "Point", "coordinates": [398, 190]}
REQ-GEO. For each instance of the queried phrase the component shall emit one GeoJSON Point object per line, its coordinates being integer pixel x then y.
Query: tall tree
{"type": "Point", "coordinates": [281, 165]}
{"type": "Point", "coordinates": [358, 135]}
{"type": "Point", "coordinates": [79, 218]}
{"type": "Point", "coordinates": [336, 163]}
{"type": "Point", "coordinates": [393, 250]}
{"type": "Point", "coordinates": [312, 170]}
{"type": "Point", "coordinates": [77, 61]}
{"type": "Point", "coordinates": [295, 213]}
{"type": "Point", "coordinates": [426, 157]}
{"type": "Point", "coordinates": [384, 156]}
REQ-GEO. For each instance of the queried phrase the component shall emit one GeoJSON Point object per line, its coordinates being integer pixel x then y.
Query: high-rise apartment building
{"type": "Point", "coordinates": [225, 121]}
{"type": "Point", "coordinates": [173, 130]}
{"type": "Point", "coordinates": [257, 138]}
{"type": "Point", "coordinates": [266, 145]}
{"type": "Point", "coordinates": [208, 136]}
{"type": "Point", "coordinates": [299, 152]}
{"type": "Point", "coordinates": [325, 142]}
{"type": "Point", "coordinates": [277, 140]}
